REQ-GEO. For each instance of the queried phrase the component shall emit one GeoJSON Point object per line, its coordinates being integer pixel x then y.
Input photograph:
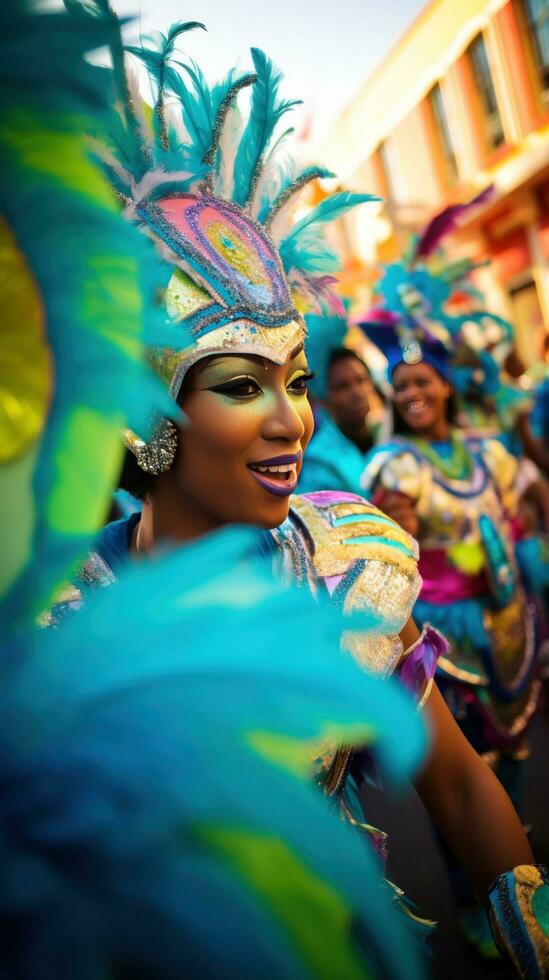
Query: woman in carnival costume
{"type": "Point", "coordinates": [155, 799]}
{"type": "Point", "coordinates": [458, 497]}
{"type": "Point", "coordinates": [213, 198]}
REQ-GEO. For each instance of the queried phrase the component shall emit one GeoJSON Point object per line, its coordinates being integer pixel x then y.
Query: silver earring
{"type": "Point", "coordinates": [157, 455]}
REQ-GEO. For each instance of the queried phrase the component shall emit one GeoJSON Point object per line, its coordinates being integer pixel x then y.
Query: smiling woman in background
{"type": "Point", "coordinates": [457, 496]}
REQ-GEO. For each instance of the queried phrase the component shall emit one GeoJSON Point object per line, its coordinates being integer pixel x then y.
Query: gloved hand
{"type": "Point", "coordinates": [519, 917]}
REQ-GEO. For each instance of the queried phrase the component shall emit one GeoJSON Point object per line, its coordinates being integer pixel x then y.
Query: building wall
{"type": "Point", "coordinates": [388, 141]}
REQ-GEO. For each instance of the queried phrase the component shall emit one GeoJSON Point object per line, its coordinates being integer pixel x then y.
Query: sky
{"type": "Point", "coordinates": [326, 48]}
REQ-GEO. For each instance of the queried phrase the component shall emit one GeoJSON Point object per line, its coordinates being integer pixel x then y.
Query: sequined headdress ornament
{"type": "Point", "coordinates": [413, 321]}
{"type": "Point", "coordinates": [209, 187]}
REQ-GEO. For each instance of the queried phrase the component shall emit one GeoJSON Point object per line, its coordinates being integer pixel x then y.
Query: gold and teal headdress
{"type": "Point", "coordinates": [417, 315]}
{"type": "Point", "coordinates": [207, 184]}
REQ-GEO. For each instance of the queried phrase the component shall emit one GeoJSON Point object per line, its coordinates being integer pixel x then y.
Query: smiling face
{"type": "Point", "coordinates": [420, 396]}
{"type": "Point", "coordinates": [248, 424]}
{"type": "Point", "coordinates": [348, 390]}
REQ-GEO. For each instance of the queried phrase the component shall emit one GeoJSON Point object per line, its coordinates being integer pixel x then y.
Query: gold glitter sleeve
{"type": "Point", "coordinates": [368, 563]}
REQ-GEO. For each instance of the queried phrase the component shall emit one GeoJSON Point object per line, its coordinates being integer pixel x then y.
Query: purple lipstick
{"type": "Point", "coordinates": [277, 475]}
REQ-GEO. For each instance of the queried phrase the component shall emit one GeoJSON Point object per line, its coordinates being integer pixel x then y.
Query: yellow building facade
{"type": "Point", "coordinates": [460, 102]}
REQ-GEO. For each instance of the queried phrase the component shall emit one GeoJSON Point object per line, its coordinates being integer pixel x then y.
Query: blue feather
{"type": "Point", "coordinates": [332, 208]}
{"type": "Point", "coordinates": [204, 109]}
{"type": "Point", "coordinates": [196, 108]}
{"type": "Point", "coordinates": [223, 97]}
{"type": "Point", "coordinates": [308, 253]}
{"type": "Point", "coordinates": [304, 249]}
{"type": "Point", "coordinates": [89, 8]}
{"type": "Point", "coordinates": [155, 788]}
{"type": "Point", "coordinates": [94, 9]}
{"type": "Point", "coordinates": [131, 151]}
{"type": "Point", "coordinates": [266, 111]}
{"type": "Point", "coordinates": [156, 61]}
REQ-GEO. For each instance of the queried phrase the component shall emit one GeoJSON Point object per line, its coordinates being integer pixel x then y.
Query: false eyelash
{"type": "Point", "coordinates": [233, 384]}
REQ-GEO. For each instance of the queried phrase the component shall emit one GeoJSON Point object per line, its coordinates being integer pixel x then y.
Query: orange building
{"type": "Point", "coordinates": [460, 102]}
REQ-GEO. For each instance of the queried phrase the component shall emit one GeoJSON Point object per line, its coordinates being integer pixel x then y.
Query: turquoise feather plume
{"type": "Point", "coordinates": [156, 59]}
{"type": "Point", "coordinates": [266, 111]}
{"type": "Point", "coordinates": [223, 97]}
{"type": "Point", "coordinates": [93, 9]}
{"type": "Point", "coordinates": [332, 208]}
{"type": "Point", "coordinates": [303, 249]}
{"type": "Point", "coordinates": [204, 110]}
{"type": "Point", "coordinates": [309, 254]}
{"type": "Point", "coordinates": [155, 783]}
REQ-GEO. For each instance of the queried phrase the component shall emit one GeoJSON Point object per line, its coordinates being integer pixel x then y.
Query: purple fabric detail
{"type": "Point", "coordinates": [419, 665]}
{"type": "Point", "coordinates": [323, 498]}
{"type": "Point", "coordinates": [443, 583]}
{"type": "Point", "coordinates": [332, 582]}
{"type": "Point", "coordinates": [378, 840]}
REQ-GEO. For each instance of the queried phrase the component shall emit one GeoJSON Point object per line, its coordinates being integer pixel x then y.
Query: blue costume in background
{"type": "Point", "coordinates": [332, 462]}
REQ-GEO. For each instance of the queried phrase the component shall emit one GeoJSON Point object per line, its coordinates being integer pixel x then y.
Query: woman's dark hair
{"type": "Point", "coordinates": [133, 478]}
{"type": "Point", "coordinates": [345, 353]}
{"type": "Point", "coordinates": [401, 429]}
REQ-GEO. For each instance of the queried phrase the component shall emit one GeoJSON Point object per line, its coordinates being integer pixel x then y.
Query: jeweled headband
{"type": "Point", "coordinates": [208, 186]}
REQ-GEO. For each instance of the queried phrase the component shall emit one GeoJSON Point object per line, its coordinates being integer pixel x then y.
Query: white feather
{"type": "Point", "coordinates": [134, 74]}
{"type": "Point", "coordinates": [111, 161]}
{"type": "Point", "coordinates": [284, 221]}
{"type": "Point", "coordinates": [228, 145]}
{"type": "Point", "coordinates": [174, 118]}
{"type": "Point", "coordinates": [144, 188]}
{"type": "Point", "coordinates": [273, 173]}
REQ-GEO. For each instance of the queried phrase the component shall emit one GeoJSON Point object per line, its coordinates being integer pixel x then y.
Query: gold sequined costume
{"type": "Point", "coordinates": [472, 585]}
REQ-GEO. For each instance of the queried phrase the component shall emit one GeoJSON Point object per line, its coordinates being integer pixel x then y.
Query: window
{"type": "Point", "coordinates": [441, 123]}
{"type": "Point", "coordinates": [386, 168]}
{"type": "Point", "coordinates": [483, 77]}
{"type": "Point", "coordinates": [537, 16]}
{"type": "Point", "coordinates": [527, 320]}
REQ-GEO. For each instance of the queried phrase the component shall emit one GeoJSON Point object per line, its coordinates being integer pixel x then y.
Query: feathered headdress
{"type": "Point", "coordinates": [415, 318]}
{"type": "Point", "coordinates": [207, 184]}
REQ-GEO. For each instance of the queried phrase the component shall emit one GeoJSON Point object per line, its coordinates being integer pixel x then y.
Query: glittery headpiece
{"type": "Point", "coordinates": [397, 339]}
{"type": "Point", "coordinates": [419, 318]}
{"type": "Point", "coordinates": [208, 186]}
